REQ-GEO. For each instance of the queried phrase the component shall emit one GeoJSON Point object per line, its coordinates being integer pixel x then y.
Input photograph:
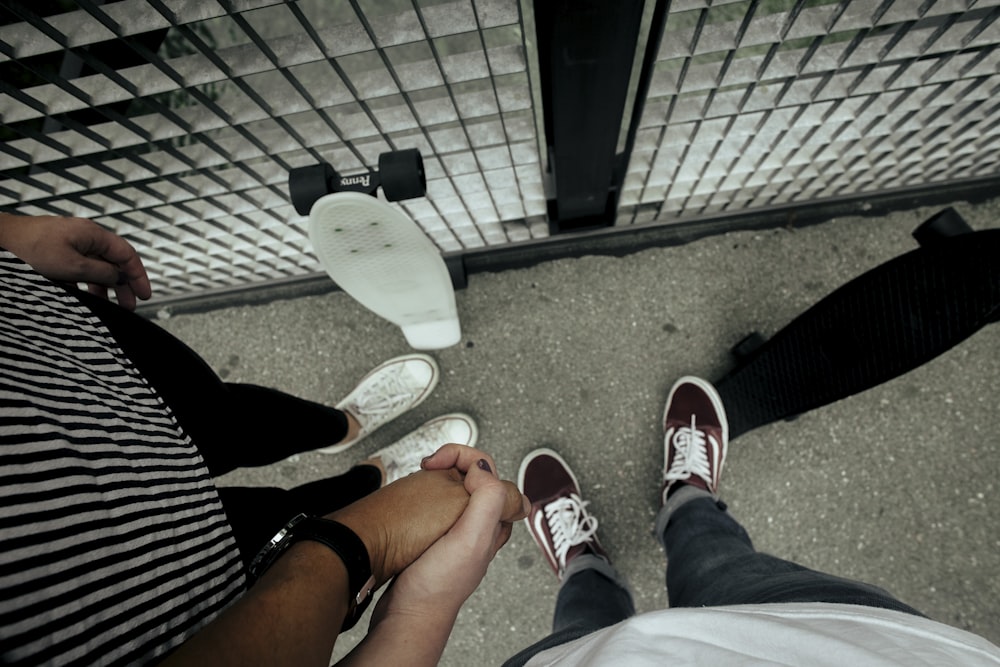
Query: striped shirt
{"type": "Point", "coordinates": [114, 547]}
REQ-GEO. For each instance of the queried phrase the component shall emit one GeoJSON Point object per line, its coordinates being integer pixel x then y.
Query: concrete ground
{"type": "Point", "coordinates": [896, 486]}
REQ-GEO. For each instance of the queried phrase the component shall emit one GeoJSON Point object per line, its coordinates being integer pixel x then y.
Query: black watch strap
{"type": "Point", "coordinates": [338, 537]}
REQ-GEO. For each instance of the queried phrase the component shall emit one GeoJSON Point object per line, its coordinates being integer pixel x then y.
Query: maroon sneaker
{"type": "Point", "coordinates": [696, 436]}
{"type": "Point", "coordinates": [558, 520]}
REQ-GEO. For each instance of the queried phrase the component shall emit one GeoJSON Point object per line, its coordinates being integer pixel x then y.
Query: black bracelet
{"type": "Point", "coordinates": [341, 540]}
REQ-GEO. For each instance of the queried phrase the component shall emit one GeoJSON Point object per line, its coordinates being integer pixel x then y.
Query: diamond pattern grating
{"type": "Point", "coordinates": [754, 104]}
{"type": "Point", "coordinates": [175, 122]}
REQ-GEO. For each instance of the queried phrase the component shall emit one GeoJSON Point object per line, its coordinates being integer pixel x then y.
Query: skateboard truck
{"type": "Point", "coordinates": [400, 175]}
{"type": "Point", "coordinates": [943, 225]}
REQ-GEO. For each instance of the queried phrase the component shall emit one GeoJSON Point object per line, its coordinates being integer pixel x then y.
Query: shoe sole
{"type": "Point", "coordinates": [415, 356]}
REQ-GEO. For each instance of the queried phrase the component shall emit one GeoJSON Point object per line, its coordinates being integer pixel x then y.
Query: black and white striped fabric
{"type": "Point", "coordinates": [114, 547]}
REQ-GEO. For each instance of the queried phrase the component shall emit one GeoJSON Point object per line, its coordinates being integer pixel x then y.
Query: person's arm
{"type": "Point", "coordinates": [76, 250]}
{"type": "Point", "coordinates": [414, 617]}
{"type": "Point", "coordinates": [293, 614]}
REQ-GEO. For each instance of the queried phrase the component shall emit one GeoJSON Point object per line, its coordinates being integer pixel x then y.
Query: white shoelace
{"type": "Point", "coordinates": [386, 397]}
{"type": "Point", "coordinates": [691, 454]}
{"type": "Point", "coordinates": [569, 524]}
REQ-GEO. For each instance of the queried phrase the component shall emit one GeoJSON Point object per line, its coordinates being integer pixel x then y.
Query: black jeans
{"type": "Point", "coordinates": [238, 426]}
{"type": "Point", "coordinates": [710, 562]}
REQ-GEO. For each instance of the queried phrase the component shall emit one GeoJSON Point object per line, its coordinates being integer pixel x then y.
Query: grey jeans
{"type": "Point", "coordinates": [710, 562]}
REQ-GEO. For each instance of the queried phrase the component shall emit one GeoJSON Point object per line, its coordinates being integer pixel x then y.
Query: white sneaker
{"type": "Point", "coordinates": [389, 390]}
{"type": "Point", "coordinates": [404, 457]}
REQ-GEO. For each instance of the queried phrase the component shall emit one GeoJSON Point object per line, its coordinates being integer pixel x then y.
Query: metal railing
{"type": "Point", "coordinates": [175, 123]}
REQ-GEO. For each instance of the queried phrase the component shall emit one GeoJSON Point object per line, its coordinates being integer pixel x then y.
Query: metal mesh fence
{"type": "Point", "coordinates": [755, 103]}
{"type": "Point", "coordinates": [175, 122]}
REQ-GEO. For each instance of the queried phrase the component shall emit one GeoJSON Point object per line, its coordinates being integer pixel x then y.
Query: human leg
{"type": "Point", "coordinates": [242, 425]}
{"type": "Point", "coordinates": [257, 513]}
{"type": "Point", "coordinates": [233, 425]}
{"type": "Point", "coordinates": [292, 425]}
{"type": "Point", "coordinates": [593, 595]}
{"type": "Point", "coordinates": [711, 560]}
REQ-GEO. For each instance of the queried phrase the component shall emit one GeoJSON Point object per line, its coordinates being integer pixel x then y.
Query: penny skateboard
{"type": "Point", "coordinates": [374, 251]}
{"type": "Point", "coordinates": [878, 326]}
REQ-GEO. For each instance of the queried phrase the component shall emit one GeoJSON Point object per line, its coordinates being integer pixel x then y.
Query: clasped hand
{"type": "Point", "coordinates": [437, 530]}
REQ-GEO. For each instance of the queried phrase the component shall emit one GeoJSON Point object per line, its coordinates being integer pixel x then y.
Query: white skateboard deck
{"type": "Point", "coordinates": [379, 256]}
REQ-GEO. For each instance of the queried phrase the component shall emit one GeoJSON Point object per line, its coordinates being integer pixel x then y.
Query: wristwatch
{"type": "Point", "coordinates": [343, 541]}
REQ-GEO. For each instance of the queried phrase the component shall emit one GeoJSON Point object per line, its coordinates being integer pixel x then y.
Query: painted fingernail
{"type": "Point", "coordinates": [483, 464]}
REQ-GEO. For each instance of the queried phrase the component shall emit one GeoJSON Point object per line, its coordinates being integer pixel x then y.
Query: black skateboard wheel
{"type": "Point", "coordinates": [402, 174]}
{"type": "Point", "coordinates": [944, 224]}
{"type": "Point", "coordinates": [307, 184]}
